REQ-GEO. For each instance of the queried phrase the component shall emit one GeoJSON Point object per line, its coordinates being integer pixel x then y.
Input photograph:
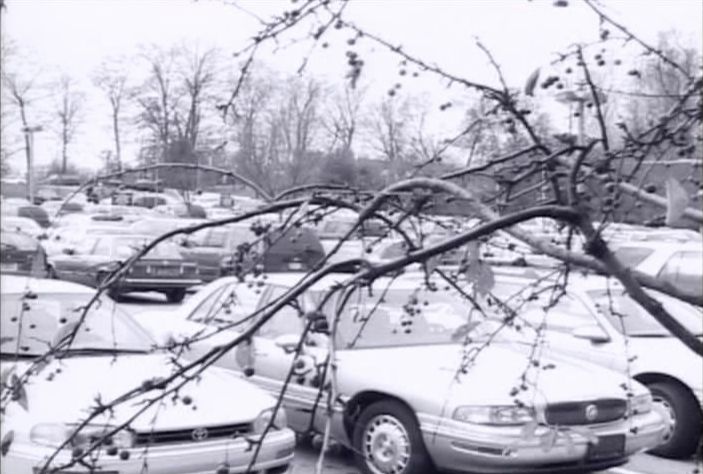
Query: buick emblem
{"type": "Point", "coordinates": [591, 412]}
{"type": "Point", "coordinates": [199, 434]}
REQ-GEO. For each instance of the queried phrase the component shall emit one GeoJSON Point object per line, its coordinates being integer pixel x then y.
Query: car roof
{"type": "Point", "coordinates": [16, 284]}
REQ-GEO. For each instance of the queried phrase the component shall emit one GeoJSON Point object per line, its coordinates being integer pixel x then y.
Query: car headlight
{"type": "Point", "coordinates": [494, 415]}
{"type": "Point", "coordinates": [641, 403]}
{"type": "Point", "coordinates": [56, 434]}
{"type": "Point", "coordinates": [264, 418]}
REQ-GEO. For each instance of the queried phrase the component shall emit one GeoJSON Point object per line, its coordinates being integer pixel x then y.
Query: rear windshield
{"type": "Point", "coordinates": [128, 245]}
{"type": "Point", "coordinates": [18, 241]}
{"type": "Point", "coordinates": [632, 256]}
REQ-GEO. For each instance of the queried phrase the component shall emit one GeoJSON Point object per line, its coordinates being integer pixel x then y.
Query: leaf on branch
{"type": "Point", "coordinates": [20, 396]}
{"type": "Point", "coordinates": [431, 265]}
{"type": "Point", "coordinates": [528, 431]}
{"type": "Point", "coordinates": [547, 440]}
{"type": "Point", "coordinates": [486, 279]}
{"type": "Point", "coordinates": [676, 201]}
{"type": "Point", "coordinates": [5, 375]}
{"type": "Point", "coordinates": [6, 442]}
{"type": "Point", "coordinates": [569, 441]}
{"type": "Point", "coordinates": [532, 82]}
{"type": "Point", "coordinates": [586, 433]}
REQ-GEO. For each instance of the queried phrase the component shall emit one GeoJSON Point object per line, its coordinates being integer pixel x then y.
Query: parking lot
{"type": "Point", "coordinates": [453, 236]}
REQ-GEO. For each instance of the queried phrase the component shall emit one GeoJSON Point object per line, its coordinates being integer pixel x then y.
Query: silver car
{"type": "Point", "coordinates": [425, 382]}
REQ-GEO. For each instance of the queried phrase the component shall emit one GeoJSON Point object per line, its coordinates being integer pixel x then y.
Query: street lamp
{"type": "Point", "coordinates": [580, 98]}
{"type": "Point", "coordinates": [29, 137]}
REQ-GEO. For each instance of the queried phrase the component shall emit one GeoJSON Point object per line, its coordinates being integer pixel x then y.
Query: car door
{"type": "Point", "coordinates": [272, 362]}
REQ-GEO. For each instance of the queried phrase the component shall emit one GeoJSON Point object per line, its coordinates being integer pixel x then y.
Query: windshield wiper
{"type": "Point", "coordinates": [15, 355]}
{"type": "Point", "coordinates": [100, 351]}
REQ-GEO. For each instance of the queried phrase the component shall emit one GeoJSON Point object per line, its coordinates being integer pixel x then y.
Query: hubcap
{"type": "Point", "coordinates": [664, 408]}
{"type": "Point", "coordinates": [386, 445]}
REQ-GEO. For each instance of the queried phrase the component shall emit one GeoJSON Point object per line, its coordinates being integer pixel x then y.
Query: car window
{"type": "Point", "coordinates": [683, 270]}
{"type": "Point", "coordinates": [395, 250]}
{"type": "Point", "coordinates": [285, 321]}
{"type": "Point", "coordinates": [215, 238]}
{"type": "Point", "coordinates": [228, 304]}
{"type": "Point", "coordinates": [564, 316]}
{"type": "Point", "coordinates": [632, 256]}
{"type": "Point", "coordinates": [627, 316]}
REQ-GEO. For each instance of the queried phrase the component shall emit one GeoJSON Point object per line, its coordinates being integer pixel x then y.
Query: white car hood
{"type": "Point", "coordinates": [430, 372]}
{"type": "Point", "coordinates": [218, 398]}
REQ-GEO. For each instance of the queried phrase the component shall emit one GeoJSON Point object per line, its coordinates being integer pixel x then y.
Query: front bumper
{"type": "Point", "coordinates": [205, 457]}
{"type": "Point", "coordinates": [456, 446]}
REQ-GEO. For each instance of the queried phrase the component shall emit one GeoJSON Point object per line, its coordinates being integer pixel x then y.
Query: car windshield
{"type": "Point", "coordinates": [407, 317]}
{"type": "Point", "coordinates": [335, 229]}
{"type": "Point", "coordinates": [128, 245]}
{"type": "Point", "coordinates": [636, 321]}
{"type": "Point", "coordinates": [31, 325]}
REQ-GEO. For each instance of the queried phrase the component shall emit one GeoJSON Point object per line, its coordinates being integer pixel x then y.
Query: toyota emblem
{"type": "Point", "coordinates": [199, 434]}
{"type": "Point", "coordinates": [591, 412]}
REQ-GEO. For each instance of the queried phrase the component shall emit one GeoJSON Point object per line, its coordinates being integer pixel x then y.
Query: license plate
{"type": "Point", "coordinates": [9, 267]}
{"type": "Point", "coordinates": [167, 272]}
{"type": "Point", "coordinates": [295, 265]}
{"type": "Point", "coordinates": [607, 447]}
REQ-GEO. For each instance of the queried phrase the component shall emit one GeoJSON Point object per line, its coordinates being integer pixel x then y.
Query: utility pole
{"type": "Point", "coordinates": [29, 133]}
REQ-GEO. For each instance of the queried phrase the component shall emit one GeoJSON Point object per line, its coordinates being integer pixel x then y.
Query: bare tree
{"type": "Point", "coordinates": [68, 110]}
{"type": "Point", "coordinates": [343, 117]}
{"type": "Point", "coordinates": [111, 78]}
{"type": "Point", "coordinates": [21, 85]}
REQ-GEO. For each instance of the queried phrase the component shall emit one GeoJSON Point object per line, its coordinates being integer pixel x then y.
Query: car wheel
{"type": "Point", "coordinates": [51, 273]}
{"type": "Point", "coordinates": [683, 416]}
{"type": "Point", "coordinates": [387, 440]}
{"type": "Point", "coordinates": [176, 295]}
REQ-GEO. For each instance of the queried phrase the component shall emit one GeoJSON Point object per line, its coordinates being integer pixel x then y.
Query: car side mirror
{"type": "Point", "coordinates": [69, 251]}
{"type": "Point", "coordinates": [591, 332]}
{"type": "Point", "coordinates": [287, 342]}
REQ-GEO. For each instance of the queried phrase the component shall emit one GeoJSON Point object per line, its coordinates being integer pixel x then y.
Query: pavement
{"type": "Point", "coordinates": [340, 462]}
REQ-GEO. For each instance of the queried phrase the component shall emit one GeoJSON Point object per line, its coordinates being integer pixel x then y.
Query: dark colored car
{"type": "Point", "coordinates": [36, 213]}
{"type": "Point", "coordinates": [21, 255]}
{"type": "Point", "coordinates": [235, 249]}
{"type": "Point", "coordinates": [163, 269]}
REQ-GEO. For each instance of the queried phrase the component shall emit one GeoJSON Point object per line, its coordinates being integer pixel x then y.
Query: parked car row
{"type": "Point", "coordinates": [424, 380]}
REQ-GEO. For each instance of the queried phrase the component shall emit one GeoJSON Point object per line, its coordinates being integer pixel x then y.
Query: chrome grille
{"type": "Point", "coordinates": [191, 435]}
{"type": "Point", "coordinates": [584, 413]}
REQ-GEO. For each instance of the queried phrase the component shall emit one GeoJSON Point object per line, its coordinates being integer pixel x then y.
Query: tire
{"type": "Point", "coordinates": [674, 401]}
{"type": "Point", "coordinates": [382, 433]}
{"type": "Point", "coordinates": [176, 295]}
{"type": "Point", "coordinates": [51, 273]}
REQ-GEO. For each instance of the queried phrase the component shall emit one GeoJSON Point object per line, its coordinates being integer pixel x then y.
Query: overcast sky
{"type": "Point", "coordinates": [74, 36]}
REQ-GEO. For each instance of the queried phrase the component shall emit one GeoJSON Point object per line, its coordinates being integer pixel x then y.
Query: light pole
{"type": "Point", "coordinates": [29, 132]}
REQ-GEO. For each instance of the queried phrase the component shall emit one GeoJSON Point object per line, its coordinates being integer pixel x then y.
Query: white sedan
{"type": "Point", "coordinates": [209, 425]}
{"type": "Point", "coordinates": [596, 321]}
{"type": "Point", "coordinates": [680, 264]}
{"type": "Point", "coordinates": [425, 382]}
